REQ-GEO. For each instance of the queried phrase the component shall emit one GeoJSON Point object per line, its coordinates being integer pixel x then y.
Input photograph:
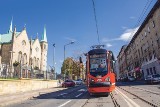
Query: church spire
{"type": "Point", "coordinates": [44, 36]}
{"type": "Point", "coordinates": [37, 36]}
{"type": "Point", "coordinates": [10, 28]}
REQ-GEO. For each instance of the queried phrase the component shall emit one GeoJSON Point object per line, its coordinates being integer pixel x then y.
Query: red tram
{"type": "Point", "coordinates": [100, 74]}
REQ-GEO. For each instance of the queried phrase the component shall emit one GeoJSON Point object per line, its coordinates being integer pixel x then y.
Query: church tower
{"type": "Point", "coordinates": [44, 49]}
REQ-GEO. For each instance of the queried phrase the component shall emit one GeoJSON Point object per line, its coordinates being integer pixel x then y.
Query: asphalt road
{"type": "Point", "coordinates": [126, 94]}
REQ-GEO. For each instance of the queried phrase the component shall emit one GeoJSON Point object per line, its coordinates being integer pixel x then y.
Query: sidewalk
{"type": "Point", "coordinates": [22, 96]}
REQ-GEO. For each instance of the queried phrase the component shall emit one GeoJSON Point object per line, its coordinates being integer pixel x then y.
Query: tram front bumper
{"type": "Point", "coordinates": [100, 84]}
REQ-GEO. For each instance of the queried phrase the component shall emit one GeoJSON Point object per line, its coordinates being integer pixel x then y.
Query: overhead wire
{"type": "Point", "coordinates": [144, 11]}
{"type": "Point", "coordinates": [95, 16]}
{"type": "Point", "coordinates": [147, 5]}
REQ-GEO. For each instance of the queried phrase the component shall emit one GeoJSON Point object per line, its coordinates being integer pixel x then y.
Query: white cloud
{"type": "Point", "coordinates": [70, 39]}
{"type": "Point", "coordinates": [126, 36]}
{"type": "Point", "coordinates": [124, 27]}
{"type": "Point", "coordinates": [108, 45]}
{"type": "Point", "coordinates": [132, 17]}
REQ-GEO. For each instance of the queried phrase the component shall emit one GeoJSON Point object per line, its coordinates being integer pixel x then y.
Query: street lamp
{"type": "Point", "coordinates": [54, 45]}
{"type": "Point", "coordinates": [65, 58]}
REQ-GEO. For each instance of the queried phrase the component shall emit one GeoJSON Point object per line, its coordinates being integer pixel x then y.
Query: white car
{"type": "Point", "coordinates": [78, 82]}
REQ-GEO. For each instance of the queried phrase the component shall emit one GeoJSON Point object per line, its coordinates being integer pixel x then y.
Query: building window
{"type": "Point", "coordinates": [151, 71]}
{"type": "Point", "coordinates": [145, 33]}
{"type": "Point", "coordinates": [142, 36]}
{"type": "Point", "coordinates": [147, 71]}
{"type": "Point", "coordinates": [154, 70]}
{"type": "Point", "coordinates": [19, 56]}
{"type": "Point", "coordinates": [146, 59]}
{"type": "Point", "coordinates": [44, 46]}
{"type": "Point", "coordinates": [150, 56]}
{"type": "Point", "coordinates": [148, 29]}
{"type": "Point", "coordinates": [23, 43]}
{"type": "Point", "coordinates": [37, 49]}
{"type": "Point", "coordinates": [154, 54]}
{"type": "Point", "coordinates": [153, 24]}
{"type": "Point", "coordinates": [158, 42]}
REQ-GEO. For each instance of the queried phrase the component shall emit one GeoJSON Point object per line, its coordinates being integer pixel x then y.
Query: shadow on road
{"type": "Point", "coordinates": [70, 93]}
{"type": "Point", "coordinates": [80, 92]}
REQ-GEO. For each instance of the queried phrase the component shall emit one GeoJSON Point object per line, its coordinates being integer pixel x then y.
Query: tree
{"type": "Point", "coordinates": [70, 67]}
{"type": "Point", "coordinates": [36, 68]}
{"type": "Point", "coordinates": [15, 64]}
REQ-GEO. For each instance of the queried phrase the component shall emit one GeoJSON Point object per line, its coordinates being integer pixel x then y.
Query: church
{"type": "Point", "coordinates": [21, 56]}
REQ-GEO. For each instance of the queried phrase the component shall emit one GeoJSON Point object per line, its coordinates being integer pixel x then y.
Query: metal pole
{"type": "Point", "coordinates": [64, 65]}
{"type": "Point", "coordinates": [65, 58]}
{"type": "Point", "coordinates": [11, 63]}
{"type": "Point", "coordinates": [21, 70]}
{"type": "Point", "coordinates": [54, 60]}
{"type": "Point", "coordinates": [31, 71]}
{"type": "Point", "coordinates": [46, 74]}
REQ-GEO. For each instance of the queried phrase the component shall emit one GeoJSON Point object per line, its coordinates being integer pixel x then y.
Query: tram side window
{"type": "Point", "coordinates": [112, 66]}
{"type": "Point", "coordinates": [111, 58]}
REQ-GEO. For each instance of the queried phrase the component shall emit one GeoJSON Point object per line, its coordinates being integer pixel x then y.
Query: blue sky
{"type": "Point", "coordinates": [73, 20]}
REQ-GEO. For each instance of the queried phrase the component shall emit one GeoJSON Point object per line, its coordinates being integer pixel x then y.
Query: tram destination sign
{"type": "Point", "coordinates": [98, 56]}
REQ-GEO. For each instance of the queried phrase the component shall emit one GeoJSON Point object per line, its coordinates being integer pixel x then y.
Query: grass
{"type": "Point", "coordinates": [8, 79]}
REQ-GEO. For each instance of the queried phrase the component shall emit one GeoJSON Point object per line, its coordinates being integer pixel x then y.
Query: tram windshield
{"type": "Point", "coordinates": [98, 63]}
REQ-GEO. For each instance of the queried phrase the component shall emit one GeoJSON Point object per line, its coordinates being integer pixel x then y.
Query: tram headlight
{"type": "Point", "coordinates": [91, 80]}
{"type": "Point", "coordinates": [107, 79]}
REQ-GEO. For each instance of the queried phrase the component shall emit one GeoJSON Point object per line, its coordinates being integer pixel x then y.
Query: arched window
{"type": "Point", "coordinates": [24, 58]}
{"type": "Point", "coordinates": [37, 62]}
{"type": "Point", "coordinates": [30, 61]}
{"type": "Point", "coordinates": [19, 56]}
{"type": "Point", "coordinates": [23, 43]}
{"type": "Point", "coordinates": [34, 61]}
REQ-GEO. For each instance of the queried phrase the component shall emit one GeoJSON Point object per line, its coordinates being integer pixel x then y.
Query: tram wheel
{"type": "Point", "coordinates": [91, 94]}
{"type": "Point", "coordinates": [107, 94]}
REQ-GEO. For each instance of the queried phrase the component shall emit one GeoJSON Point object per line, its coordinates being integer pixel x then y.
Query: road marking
{"type": "Point", "coordinates": [127, 98]}
{"type": "Point", "coordinates": [65, 103]}
{"type": "Point", "coordinates": [129, 104]}
{"type": "Point", "coordinates": [79, 94]}
{"type": "Point", "coordinates": [82, 90]}
{"type": "Point", "coordinates": [62, 94]}
{"type": "Point", "coordinates": [116, 91]}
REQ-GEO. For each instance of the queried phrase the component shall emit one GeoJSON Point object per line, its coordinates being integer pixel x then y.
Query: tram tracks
{"type": "Point", "coordinates": [101, 101]}
{"type": "Point", "coordinates": [146, 90]}
{"type": "Point", "coordinates": [140, 98]}
{"type": "Point", "coordinates": [114, 101]}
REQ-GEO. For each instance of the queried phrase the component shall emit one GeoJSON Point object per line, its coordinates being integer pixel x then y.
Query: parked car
{"type": "Point", "coordinates": [155, 78]}
{"type": "Point", "coordinates": [124, 79]}
{"type": "Point", "coordinates": [68, 83]}
{"type": "Point", "coordinates": [78, 82]}
{"type": "Point", "coordinates": [131, 78]}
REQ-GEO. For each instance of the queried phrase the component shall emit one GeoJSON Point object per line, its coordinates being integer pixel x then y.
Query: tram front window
{"type": "Point", "coordinates": [98, 64]}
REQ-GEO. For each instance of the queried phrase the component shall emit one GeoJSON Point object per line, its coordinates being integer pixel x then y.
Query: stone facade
{"type": "Point", "coordinates": [143, 52]}
{"type": "Point", "coordinates": [122, 62]}
{"type": "Point", "coordinates": [16, 47]}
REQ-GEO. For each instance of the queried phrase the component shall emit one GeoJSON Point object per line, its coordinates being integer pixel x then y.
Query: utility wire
{"type": "Point", "coordinates": [94, 9]}
{"type": "Point", "coordinates": [144, 11]}
{"type": "Point", "coordinates": [142, 14]}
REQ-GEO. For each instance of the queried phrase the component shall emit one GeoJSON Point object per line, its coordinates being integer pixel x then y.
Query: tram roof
{"type": "Point", "coordinates": [97, 51]}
